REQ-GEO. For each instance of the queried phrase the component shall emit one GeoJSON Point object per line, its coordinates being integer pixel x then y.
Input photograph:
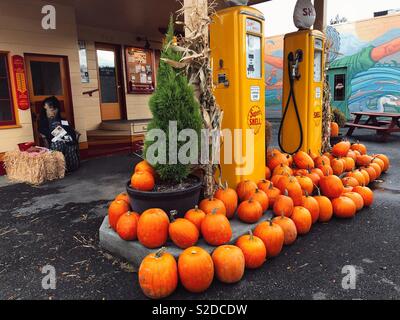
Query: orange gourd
{"type": "Point", "coordinates": [283, 205]}
{"type": "Point", "coordinates": [230, 199]}
{"type": "Point", "coordinates": [277, 159]}
{"type": "Point", "coordinates": [272, 194]}
{"type": "Point", "coordinates": [245, 189]}
{"type": "Point", "coordinates": [306, 184]}
{"type": "Point", "coordinates": [334, 129]}
{"type": "Point", "coordinates": [325, 208]}
{"type": "Point", "coordinates": [341, 149]}
{"type": "Point", "coordinates": [267, 173]}
{"type": "Point", "coordinates": [262, 198]}
{"type": "Point", "coordinates": [303, 160]}
{"type": "Point", "coordinates": [229, 263]}
{"type": "Point", "coordinates": [344, 207]}
{"type": "Point", "coordinates": [302, 219]}
{"type": "Point", "coordinates": [116, 209]}
{"type": "Point", "coordinates": [127, 226]}
{"type": "Point", "coordinates": [213, 205]}
{"type": "Point", "coordinates": [264, 185]}
{"type": "Point", "coordinates": [357, 198]}
{"type": "Point", "coordinates": [331, 186]}
{"type": "Point", "coordinates": [294, 191]}
{"type": "Point", "coordinates": [250, 211]}
{"type": "Point", "coordinates": [337, 166]}
{"type": "Point", "coordinates": [183, 233]}
{"type": "Point", "coordinates": [145, 166]}
{"type": "Point", "coordinates": [124, 197]}
{"type": "Point", "coordinates": [196, 216]}
{"type": "Point", "coordinates": [312, 206]}
{"type": "Point", "coordinates": [216, 229]}
{"type": "Point", "coordinates": [143, 181]}
{"type": "Point", "coordinates": [350, 182]}
{"type": "Point", "coordinates": [288, 227]}
{"type": "Point", "coordinates": [363, 160]}
{"type": "Point", "coordinates": [385, 160]}
{"type": "Point", "coordinates": [361, 148]}
{"type": "Point", "coordinates": [273, 237]}
{"type": "Point", "coordinates": [367, 194]}
{"type": "Point", "coordinates": [152, 230]}
{"type": "Point", "coordinates": [253, 249]}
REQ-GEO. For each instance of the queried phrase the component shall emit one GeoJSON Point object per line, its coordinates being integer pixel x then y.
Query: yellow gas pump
{"type": "Point", "coordinates": [301, 126]}
{"type": "Point", "coordinates": [237, 51]}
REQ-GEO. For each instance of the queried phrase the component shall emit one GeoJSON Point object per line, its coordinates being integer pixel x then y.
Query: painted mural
{"type": "Point", "coordinates": [366, 54]}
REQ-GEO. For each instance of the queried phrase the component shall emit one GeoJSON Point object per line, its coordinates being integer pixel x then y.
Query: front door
{"type": "Point", "coordinates": [48, 76]}
{"type": "Point", "coordinates": [110, 84]}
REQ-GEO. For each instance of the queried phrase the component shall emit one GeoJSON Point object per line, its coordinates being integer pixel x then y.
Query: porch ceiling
{"type": "Point", "coordinates": [140, 17]}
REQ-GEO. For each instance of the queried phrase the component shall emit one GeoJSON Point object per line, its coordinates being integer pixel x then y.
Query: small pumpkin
{"type": "Point", "coordinates": [341, 149]}
{"type": "Point", "coordinates": [196, 269]}
{"type": "Point", "coordinates": [272, 194]}
{"type": "Point", "coordinates": [288, 227]}
{"type": "Point", "coordinates": [183, 233]}
{"type": "Point", "coordinates": [357, 198]}
{"type": "Point", "coordinates": [196, 216]}
{"type": "Point", "coordinates": [315, 178]}
{"type": "Point", "coordinates": [350, 182]}
{"type": "Point", "coordinates": [303, 160]}
{"type": "Point", "coordinates": [158, 275]}
{"type": "Point", "coordinates": [334, 129]}
{"type": "Point", "coordinates": [273, 237]}
{"type": "Point", "coordinates": [357, 174]}
{"type": "Point", "coordinates": [344, 207]}
{"type": "Point", "coordinates": [229, 263]}
{"type": "Point", "coordinates": [143, 181]}
{"type": "Point", "coordinates": [277, 159]}
{"type": "Point", "coordinates": [302, 219]}
{"type": "Point", "coordinates": [331, 186]}
{"type": "Point", "coordinates": [283, 170]}
{"type": "Point", "coordinates": [283, 205]}
{"type": "Point", "coordinates": [352, 154]}
{"type": "Point", "coordinates": [264, 185]}
{"type": "Point", "coordinates": [385, 160]}
{"type": "Point", "coordinates": [127, 226]}
{"type": "Point", "coordinates": [152, 229]}
{"type": "Point", "coordinates": [366, 193]}
{"type": "Point", "coordinates": [116, 209]}
{"type": "Point", "coordinates": [212, 205]}
{"type": "Point", "coordinates": [337, 166]}
{"type": "Point", "coordinates": [306, 184]}
{"type": "Point", "coordinates": [371, 172]}
{"type": "Point", "coordinates": [377, 168]}
{"type": "Point", "coordinates": [318, 172]}
{"type": "Point", "coordinates": [363, 160]}
{"type": "Point", "coordinates": [380, 162]}
{"type": "Point", "coordinates": [230, 199]}
{"type": "Point", "coordinates": [124, 197]}
{"type": "Point", "coordinates": [350, 164]}
{"type": "Point", "coordinates": [216, 229]}
{"type": "Point", "coordinates": [250, 211]}
{"type": "Point", "coordinates": [322, 160]}
{"type": "Point", "coordinates": [246, 189]}
{"type": "Point", "coordinates": [268, 173]}
{"type": "Point", "coordinates": [294, 190]}
{"type": "Point", "coordinates": [145, 166]}
{"type": "Point", "coordinates": [262, 198]}
{"type": "Point", "coordinates": [326, 170]}
{"type": "Point", "coordinates": [282, 183]}
{"type": "Point", "coordinates": [325, 208]}
{"type": "Point", "coordinates": [253, 249]}
{"type": "Point", "coordinates": [361, 148]}
{"type": "Point", "coordinates": [312, 206]}
{"type": "Point", "coordinates": [366, 176]}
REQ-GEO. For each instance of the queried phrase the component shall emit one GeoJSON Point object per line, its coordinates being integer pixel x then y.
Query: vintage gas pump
{"type": "Point", "coordinates": [301, 126]}
{"type": "Point", "coordinates": [237, 50]}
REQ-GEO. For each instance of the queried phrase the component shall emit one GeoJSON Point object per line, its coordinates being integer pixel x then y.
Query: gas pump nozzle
{"type": "Point", "coordinates": [294, 64]}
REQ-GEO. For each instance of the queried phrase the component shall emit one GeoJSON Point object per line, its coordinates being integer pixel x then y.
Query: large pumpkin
{"type": "Point", "coordinates": [288, 227]}
{"type": "Point", "coordinates": [216, 229]}
{"type": "Point", "coordinates": [253, 249]}
{"type": "Point", "coordinates": [283, 205]}
{"type": "Point", "coordinates": [331, 186]}
{"type": "Point", "coordinates": [196, 216]}
{"type": "Point", "coordinates": [158, 275]}
{"type": "Point", "coordinates": [245, 189]}
{"type": "Point", "coordinates": [311, 204]}
{"type": "Point", "coordinates": [344, 207]}
{"type": "Point", "coordinates": [262, 198]}
{"type": "Point", "coordinates": [273, 237]}
{"type": "Point", "coordinates": [230, 199]}
{"type": "Point", "coordinates": [152, 230]}
{"type": "Point", "coordinates": [127, 226]}
{"type": "Point", "coordinates": [183, 233]}
{"type": "Point", "coordinates": [303, 160]}
{"type": "Point", "coordinates": [229, 263]}
{"type": "Point", "coordinates": [143, 181]}
{"type": "Point", "coordinates": [196, 269]}
{"type": "Point", "coordinates": [212, 205]}
{"type": "Point", "coordinates": [366, 193]}
{"type": "Point", "coordinates": [302, 219]}
{"type": "Point", "coordinates": [116, 209]}
{"type": "Point", "coordinates": [250, 211]}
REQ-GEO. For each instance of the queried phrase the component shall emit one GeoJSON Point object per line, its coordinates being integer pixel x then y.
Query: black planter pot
{"type": "Point", "coordinates": [182, 200]}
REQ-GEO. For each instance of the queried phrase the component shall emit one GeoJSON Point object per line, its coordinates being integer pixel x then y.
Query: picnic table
{"type": "Point", "coordinates": [375, 121]}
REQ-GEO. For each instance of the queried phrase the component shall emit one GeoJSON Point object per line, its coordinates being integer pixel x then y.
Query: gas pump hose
{"type": "Point", "coordinates": [291, 95]}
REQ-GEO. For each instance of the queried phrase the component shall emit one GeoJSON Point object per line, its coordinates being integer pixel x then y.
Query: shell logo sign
{"type": "Point", "coordinates": [254, 119]}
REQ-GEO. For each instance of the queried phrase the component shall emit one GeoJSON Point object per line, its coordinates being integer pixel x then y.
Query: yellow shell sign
{"type": "Point", "coordinates": [254, 119]}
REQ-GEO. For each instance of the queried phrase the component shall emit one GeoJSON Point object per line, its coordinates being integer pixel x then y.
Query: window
{"type": "Point", "coordinates": [340, 87]}
{"type": "Point", "coordinates": [7, 113]}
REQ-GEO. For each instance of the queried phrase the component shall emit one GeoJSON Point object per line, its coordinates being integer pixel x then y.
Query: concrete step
{"type": "Point", "coordinates": [118, 125]}
{"type": "Point", "coordinates": [108, 133]}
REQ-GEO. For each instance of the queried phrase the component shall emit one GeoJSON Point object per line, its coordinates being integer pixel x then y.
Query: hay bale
{"type": "Point", "coordinates": [34, 168]}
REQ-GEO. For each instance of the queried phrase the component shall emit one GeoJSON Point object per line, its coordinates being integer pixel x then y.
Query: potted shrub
{"type": "Point", "coordinates": [174, 107]}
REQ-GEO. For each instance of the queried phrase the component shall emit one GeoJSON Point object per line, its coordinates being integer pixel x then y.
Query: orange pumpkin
{"type": "Point", "coordinates": [267, 173]}
{"type": "Point", "coordinates": [283, 170]}
{"type": "Point", "coordinates": [253, 249]}
{"type": "Point", "coordinates": [362, 149]}
{"type": "Point", "coordinates": [229, 263]}
{"type": "Point", "coordinates": [143, 181]}
{"type": "Point", "coordinates": [366, 193]}
{"type": "Point", "coordinates": [216, 229]}
{"type": "Point", "coordinates": [315, 178]}
{"type": "Point", "coordinates": [321, 161]}
{"type": "Point", "coordinates": [334, 129]}
{"type": "Point", "coordinates": [331, 186]}
{"type": "Point", "coordinates": [302, 219]}
{"type": "Point", "coordinates": [273, 237]}
{"type": "Point", "coordinates": [350, 182]}
{"type": "Point", "coordinates": [183, 233]}
{"type": "Point", "coordinates": [196, 269]}
{"type": "Point", "coordinates": [282, 183]}
{"type": "Point", "coordinates": [294, 190]}
{"type": "Point", "coordinates": [145, 166]}
{"type": "Point", "coordinates": [380, 162]}
{"type": "Point", "coordinates": [306, 184]}
{"type": "Point", "coordinates": [326, 170]}
{"type": "Point", "coordinates": [195, 216]}
{"type": "Point", "coordinates": [303, 160]}
{"type": "Point", "coordinates": [318, 172]}
{"type": "Point", "coordinates": [277, 159]}
{"type": "Point", "coordinates": [377, 168]}
{"type": "Point", "coordinates": [152, 230]}
{"type": "Point", "coordinates": [363, 160]}
{"type": "Point", "coordinates": [245, 189]}
{"type": "Point", "coordinates": [158, 275]}
{"type": "Point", "coordinates": [250, 211]}
{"type": "Point", "coordinates": [262, 198]}
{"type": "Point", "coordinates": [311, 205]}
{"type": "Point", "coordinates": [288, 227]}
{"type": "Point", "coordinates": [325, 208]}
{"type": "Point", "coordinates": [357, 198]}
{"type": "Point", "coordinates": [341, 149]}
{"type": "Point", "coordinates": [264, 185]}
{"type": "Point", "coordinates": [366, 175]}
{"type": "Point", "coordinates": [350, 164]}
{"type": "Point", "coordinates": [116, 209]}
{"type": "Point", "coordinates": [344, 207]}
{"type": "Point", "coordinates": [283, 205]}
{"type": "Point", "coordinates": [213, 205]}
{"type": "Point", "coordinates": [337, 166]}
{"type": "Point", "coordinates": [385, 160]}
{"type": "Point", "coordinates": [357, 174]}
{"type": "Point", "coordinates": [230, 199]}
{"type": "Point", "coordinates": [352, 154]}
{"type": "Point", "coordinates": [127, 226]}
{"type": "Point", "coordinates": [124, 197]}
{"type": "Point", "coordinates": [272, 194]}
{"type": "Point", "coordinates": [371, 172]}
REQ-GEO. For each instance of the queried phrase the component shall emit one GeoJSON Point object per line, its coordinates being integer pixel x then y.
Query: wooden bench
{"type": "Point", "coordinates": [373, 122]}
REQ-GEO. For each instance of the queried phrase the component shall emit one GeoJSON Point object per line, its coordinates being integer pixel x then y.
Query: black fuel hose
{"type": "Point", "coordinates": [291, 95]}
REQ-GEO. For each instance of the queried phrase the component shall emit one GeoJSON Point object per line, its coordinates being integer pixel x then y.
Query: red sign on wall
{"type": "Point", "coordinates": [22, 93]}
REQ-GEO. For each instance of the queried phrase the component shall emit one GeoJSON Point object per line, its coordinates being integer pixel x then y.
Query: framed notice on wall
{"type": "Point", "coordinates": [140, 70]}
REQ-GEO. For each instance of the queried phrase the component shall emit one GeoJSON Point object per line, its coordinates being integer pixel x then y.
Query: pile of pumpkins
{"type": "Point", "coordinates": [300, 190]}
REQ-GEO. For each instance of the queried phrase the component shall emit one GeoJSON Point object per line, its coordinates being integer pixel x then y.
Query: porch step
{"type": "Point", "coordinates": [101, 133]}
{"type": "Point", "coordinates": [118, 125]}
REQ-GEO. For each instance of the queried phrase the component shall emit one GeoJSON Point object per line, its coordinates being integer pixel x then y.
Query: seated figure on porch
{"type": "Point", "coordinates": [66, 141]}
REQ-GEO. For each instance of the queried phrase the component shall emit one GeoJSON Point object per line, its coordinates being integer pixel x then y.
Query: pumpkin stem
{"type": "Point", "coordinates": [173, 213]}
{"type": "Point", "coordinates": [251, 235]}
{"type": "Point", "coordinates": [271, 186]}
{"type": "Point", "coordinates": [226, 185]}
{"type": "Point", "coordinates": [214, 211]}
{"type": "Point", "coordinates": [196, 208]}
{"type": "Point", "coordinates": [160, 252]}
{"type": "Point", "coordinates": [270, 222]}
{"type": "Point", "coordinates": [306, 194]}
{"type": "Point", "coordinates": [318, 190]}
{"type": "Point", "coordinates": [286, 193]}
{"type": "Point", "coordinates": [282, 214]}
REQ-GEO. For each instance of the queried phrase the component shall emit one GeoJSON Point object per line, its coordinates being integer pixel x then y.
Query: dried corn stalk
{"type": "Point", "coordinates": [195, 49]}
{"type": "Point", "coordinates": [326, 105]}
